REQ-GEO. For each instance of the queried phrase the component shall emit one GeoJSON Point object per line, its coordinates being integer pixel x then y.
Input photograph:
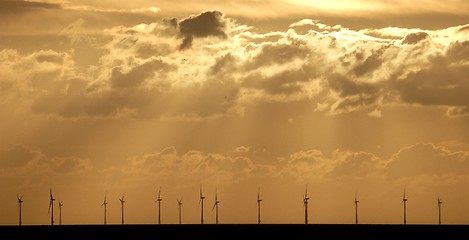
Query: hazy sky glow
{"type": "Point", "coordinates": [340, 96]}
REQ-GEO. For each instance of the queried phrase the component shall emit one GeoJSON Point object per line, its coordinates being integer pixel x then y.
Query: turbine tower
{"type": "Point", "coordinates": [305, 205]}
{"type": "Point", "coordinates": [404, 201]}
{"type": "Point", "coordinates": [51, 207]}
{"type": "Point", "coordinates": [158, 200]}
{"type": "Point", "coordinates": [105, 208]}
{"type": "Point", "coordinates": [180, 209]}
{"type": "Point", "coordinates": [259, 200]}
{"type": "Point", "coordinates": [356, 208]}
{"type": "Point", "coordinates": [215, 205]}
{"type": "Point", "coordinates": [202, 197]}
{"type": "Point", "coordinates": [20, 202]}
{"type": "Point", "coordinates": [439, 210]}
{"type": "Point", "coordinates": [60, 212]}
{"type": "Point", "coordinates": [122, 206]}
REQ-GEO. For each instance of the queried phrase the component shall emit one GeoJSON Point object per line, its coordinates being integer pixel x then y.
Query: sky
{"type": "Point", "coordinates": [238, 97]}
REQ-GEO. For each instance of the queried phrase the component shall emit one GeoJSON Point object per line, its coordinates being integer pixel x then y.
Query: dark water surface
{"type": "Point", "coordinates": [237, 231]}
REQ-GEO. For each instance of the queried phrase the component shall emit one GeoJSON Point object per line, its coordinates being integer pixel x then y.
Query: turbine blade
{"type": "Point", "coordinates": [214, 205]}
{"type": "Point", "coordinates": [50, 205]}
{"type": "Point", "coordinates": [50, 192]}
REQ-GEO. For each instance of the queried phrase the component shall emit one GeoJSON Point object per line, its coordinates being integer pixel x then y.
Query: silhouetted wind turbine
{"type": "Point", "coordinates": [105, 208]}
{"type": "Point", "coordinates": [60, 212]}
{"type": "Point", "coordinates": [122, 206]}
{"type": "Point", "coordinates": [20, 202]}
{"type": "Point", "coordinates": [51, 207]}
{"type": "Point", "coordinates": [356, 208]}
{"type": "Point", "coordinates": [404, 201]}
{"type": "Point", "coordinates": [259, 200]}
{"type": "Point", "coordinates": [180, 209]}
{"type": "Point", "coordinates": [439, 210]}
{"type": "Point", "coordinates": [202, 197]}
{"type": "Point", "coordinates": [158, 200]}
{"type": "Point", "coordinates": [305, 205]}
{"type": "Point", "coordinates": [215, 205]}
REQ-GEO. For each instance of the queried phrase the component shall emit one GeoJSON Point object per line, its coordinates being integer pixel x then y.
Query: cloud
{"type": "Point", "coordinates": [411, 162]}
{"type": "Point", "coordinates": [206, 24]}
{"type": "Point", "coordinates": [304, 22]}
{"type": "Point", "coordinates": [242, 149]}
{"type": "Point", "coordinates": [427, 159]}
{"type": "Point", "coordinates": [376, 113]}
{"type": "Point", "coordinates": [24, 161]}
{"type": "Point", "coordinates": [192, 166]}
{"type": "Point", "coordinates": [17, 156]}
{"type": "Point", "coordinates": [137, 75]}
{"type": "Point", "coordinates": [71, 165]}
{"type": "Point", "coordinates": [21, 5]}
{"type": "Point", "coordinates": [141, 72]}
{"type": "Point", "coordinates": [413, 38]}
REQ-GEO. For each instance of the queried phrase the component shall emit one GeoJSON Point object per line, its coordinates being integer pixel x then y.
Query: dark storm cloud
{"type": "Point", "coordinates": [413, 38]}
{"type": "Point", "coordinates": [203, 25]}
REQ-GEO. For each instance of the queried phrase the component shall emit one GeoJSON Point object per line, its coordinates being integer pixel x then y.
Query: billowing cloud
{"type": "Point", "coordinates": [23, 161]}
{"type": "Point", "coordinates": [427, 159]}
{"type": "Point", "coordinates": [203, 25]}
{"type": "Point", "coordinates": [141, 70]}
{"type": "Point", "coordinates": [191, 166]}
{"type": "Point", "coordinates": [17, 156]}
{"type": "Point", "coordinates": [135, 76]}
{"type": "Point", "coordinates": [413, 38]}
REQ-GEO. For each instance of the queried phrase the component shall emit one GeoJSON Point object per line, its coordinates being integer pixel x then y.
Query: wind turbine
{"type": "Point", "coordinates": [180, 209]}
{"type": "Point", "coordinates": [60, 212]}
{"type": "Point", "coordinates": [158, 200]}
{"type": "Point", "coordinates": [356, 208]}
{"type": "Point", "coordinates": [215, 205]}
{"type": "Point", "coordinates": [122, 206]}
{"type": "Point", "coordinates": [202, 197]}
{"type": "Point", "coordinates": [404, 201]}
{"type": "Point", "coordinates": [259, 200]}
{"type": "Point", "coordinates": [20, 202]}
{"type": "Point", "coordinates": [105, 208]}
{"type": "Point", "coordinates": [439, 210]}
{"type": "Point", "coordinates": [51, 207]}
{"type": "Point", "coordinates": [305, 205]}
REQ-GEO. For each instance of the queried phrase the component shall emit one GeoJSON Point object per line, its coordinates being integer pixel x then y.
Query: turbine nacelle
{"type": "Point", "coordinates": [159, 199]}
{"type": "Point", "coordinates": [122, 199]}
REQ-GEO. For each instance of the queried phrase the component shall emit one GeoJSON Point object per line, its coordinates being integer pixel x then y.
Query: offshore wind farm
{"type": "Point", "coordinates": [178, 203]}
{"type": "Point", "coordinates": [79, 231]}
{"type": "Point", "coordinates": [223, 117]}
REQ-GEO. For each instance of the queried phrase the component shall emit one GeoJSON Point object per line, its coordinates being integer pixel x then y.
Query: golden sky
{"type": "Point", "coordinates": [339, 96]}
